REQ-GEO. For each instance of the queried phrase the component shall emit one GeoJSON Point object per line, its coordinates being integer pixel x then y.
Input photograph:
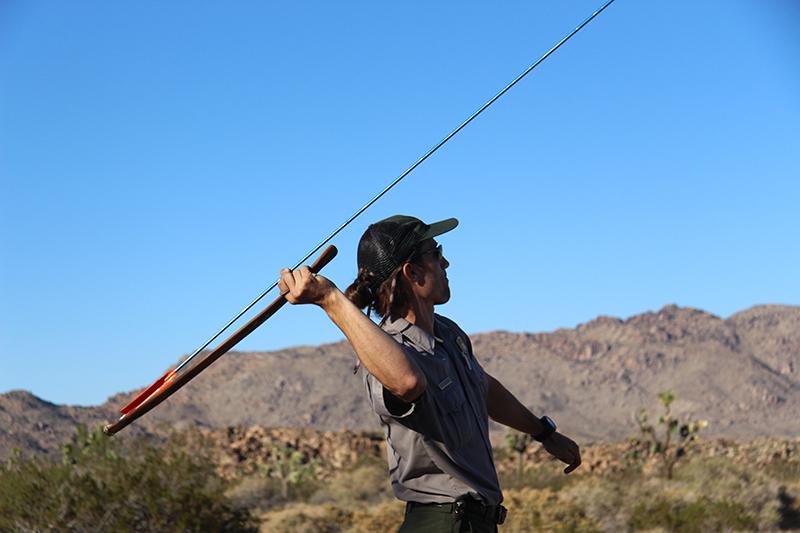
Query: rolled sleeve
{"type": "Point", "coordinates": [377, 394]}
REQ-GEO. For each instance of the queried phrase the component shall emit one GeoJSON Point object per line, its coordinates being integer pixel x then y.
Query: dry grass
{"type": "Point", "coordinates": [707, 494]}
{"type": "Point", "coordinates": [366, 482]}
{"type": "Point", "coordinates": [730, 487]}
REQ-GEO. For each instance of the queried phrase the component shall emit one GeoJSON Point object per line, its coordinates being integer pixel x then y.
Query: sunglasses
{"type": "Point", "coordinates": [439, 251]}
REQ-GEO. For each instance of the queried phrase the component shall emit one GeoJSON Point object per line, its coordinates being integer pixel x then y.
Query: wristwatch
{"type": "Point", "coordinates": [549, 429]}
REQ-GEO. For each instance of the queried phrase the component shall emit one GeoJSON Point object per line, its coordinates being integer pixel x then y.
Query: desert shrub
{"type": "Point", "coordinates": [783, 471]}
{"type": "Point", "coordinates": [101, 485]}
{"type": "Point", "coordinates": [721, 479]}
{"type": "Point", "coordinates": [604, 501]}
{"type": "Point", "coordinates": [330, 518]}
{"type": "Point", "coordinates": [303, 518]}
{"type": "Point", "coordinates": [256, 492]}
{"type": "Point", "coordinates": [750, 498]}
{"type": "Point", "coordinates": [700, 516]}
{"type": "Point", "coordinates": [367, 481]}
{"type": "Point", "coordinates": [287, 475]}
{"type": "Point", "coordinates": [548, 475]}
{"type": "Point", "coordinates": [543, 510]}
{"type": "Point", "coordinates": [379, 518]}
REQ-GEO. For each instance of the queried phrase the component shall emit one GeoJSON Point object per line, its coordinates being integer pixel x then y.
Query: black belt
{"type": "Point", "coordinates": [495, 514]}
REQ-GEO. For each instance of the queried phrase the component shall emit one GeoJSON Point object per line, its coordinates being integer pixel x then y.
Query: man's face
{"type": "Point", "coordinates": [432, 285]}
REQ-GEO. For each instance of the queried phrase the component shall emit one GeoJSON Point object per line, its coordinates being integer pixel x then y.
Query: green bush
{"type": "Point", "coordinates": [103, 485]}
{"type": "Point", "coordinates": [701, 516]}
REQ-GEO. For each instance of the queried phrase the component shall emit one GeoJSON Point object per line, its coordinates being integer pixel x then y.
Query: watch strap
{"type": "Point", "coordinates": [549, 429]}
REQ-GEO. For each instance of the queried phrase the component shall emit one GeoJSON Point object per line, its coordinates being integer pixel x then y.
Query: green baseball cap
{"type": "Point", "coordinates": [390, 242]}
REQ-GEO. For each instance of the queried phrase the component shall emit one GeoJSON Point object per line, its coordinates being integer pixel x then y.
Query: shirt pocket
{"type": "Point", "coordinates": [456, 419]}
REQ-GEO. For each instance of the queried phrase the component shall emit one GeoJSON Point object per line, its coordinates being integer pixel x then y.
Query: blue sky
{"type": "Point", "coordinates": [160, 162]}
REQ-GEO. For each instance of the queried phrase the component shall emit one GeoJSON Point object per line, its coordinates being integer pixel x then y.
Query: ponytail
{"type": "Point", "coordinates": [389, 296]}
{"type": "Point", "coordinates": [360, 292]}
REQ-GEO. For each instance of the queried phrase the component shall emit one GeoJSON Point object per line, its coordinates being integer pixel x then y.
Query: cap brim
{"type": "Point", "coordinates": [437, 228]}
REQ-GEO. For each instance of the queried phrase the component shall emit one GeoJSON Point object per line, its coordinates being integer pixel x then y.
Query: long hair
{"type": "Point", "coordinates": [391, 296]}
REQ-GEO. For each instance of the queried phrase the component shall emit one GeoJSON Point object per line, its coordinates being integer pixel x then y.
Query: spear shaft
{"type": "Point", "coordinates": [399, 178]}
{"type": "Point", "coordinates": [162, 388]}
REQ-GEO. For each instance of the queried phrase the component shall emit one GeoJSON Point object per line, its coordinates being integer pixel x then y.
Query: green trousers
{"type": "Point", "coordinates": [423, 519]}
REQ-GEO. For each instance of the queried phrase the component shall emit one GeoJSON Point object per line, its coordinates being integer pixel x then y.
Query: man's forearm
{"type": "Point", "coordinates": [380, 354]}
{"type": "Point", "coordinates": [507, 410]}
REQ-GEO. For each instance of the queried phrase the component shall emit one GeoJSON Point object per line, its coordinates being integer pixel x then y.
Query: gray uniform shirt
{"type": "Point", "coordinates": [439, 449]}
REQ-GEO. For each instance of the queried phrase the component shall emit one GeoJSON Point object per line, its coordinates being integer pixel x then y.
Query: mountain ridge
{"type": "Point", "coordinates": [741, 373]}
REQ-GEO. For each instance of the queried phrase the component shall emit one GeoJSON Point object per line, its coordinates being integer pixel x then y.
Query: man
{"type": "Point", "coordinates": [431, 395]}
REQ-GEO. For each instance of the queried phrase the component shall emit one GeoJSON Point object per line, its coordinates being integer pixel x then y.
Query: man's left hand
{"type": "Point", "coordinates": [563, 449]}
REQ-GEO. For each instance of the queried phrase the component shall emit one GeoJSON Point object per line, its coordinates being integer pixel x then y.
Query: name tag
{"type": "Point", "coordinates": [445, 383]}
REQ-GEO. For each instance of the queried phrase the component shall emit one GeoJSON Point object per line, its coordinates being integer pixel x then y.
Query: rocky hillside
{"type": "Point", "coordinates": [742, 374]}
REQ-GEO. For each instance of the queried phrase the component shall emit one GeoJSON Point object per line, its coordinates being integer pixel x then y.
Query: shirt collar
{"type": "Point", "coordinates": [416, 335]}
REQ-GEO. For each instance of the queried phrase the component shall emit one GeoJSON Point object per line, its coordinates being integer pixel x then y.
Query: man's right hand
{"type": "Point", "coordinates": [302, 286]}
{"type": "Point", "coordinates": [564, 449]}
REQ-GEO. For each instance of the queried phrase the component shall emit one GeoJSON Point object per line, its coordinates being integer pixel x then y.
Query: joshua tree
{"type": "Point", "coordinates": [290, 467]}
{"type": "Point", "coordinates": [670, 453]}
{"type": "Point", "coordinates": [518, 442]}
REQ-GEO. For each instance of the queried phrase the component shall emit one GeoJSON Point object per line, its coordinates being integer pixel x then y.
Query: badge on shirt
{"type": "Point", "coordinates": [464, 351]}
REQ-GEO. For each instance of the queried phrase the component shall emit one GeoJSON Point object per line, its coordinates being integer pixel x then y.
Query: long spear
{"type": "Point", "coordinates": [167, 384]}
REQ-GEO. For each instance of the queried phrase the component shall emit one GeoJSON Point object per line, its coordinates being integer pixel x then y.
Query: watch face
{"type": "Point", "coordinates": [549, 421]}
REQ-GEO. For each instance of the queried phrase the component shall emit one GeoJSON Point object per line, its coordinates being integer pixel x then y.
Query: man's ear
{"type": "Point", "coordinates": [412, 272]}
